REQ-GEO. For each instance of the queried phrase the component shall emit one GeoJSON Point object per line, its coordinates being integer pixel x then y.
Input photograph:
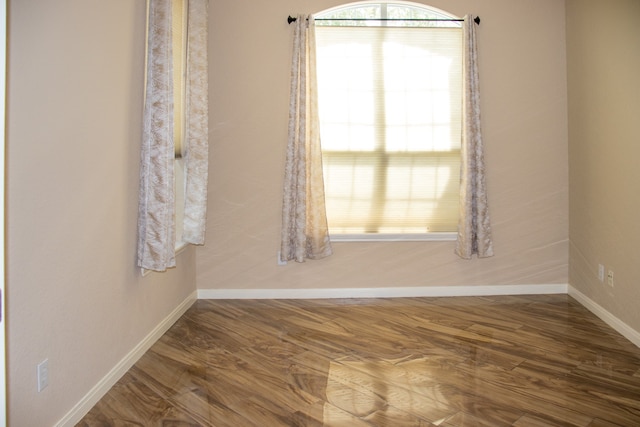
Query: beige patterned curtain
{"type": "Point", "coordinates": [474, 227]}
{"type": "Point", "coordinates": [156, 214]}
{"type": "Point", "coordinates": [196, 145]}
{"type": "Point", "coordinates": [305, 233]}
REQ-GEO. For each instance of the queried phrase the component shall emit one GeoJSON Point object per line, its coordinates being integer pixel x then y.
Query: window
{"type": "Point", "coordinates": [175, 106]}
{"type": "Point", "coordinates": [390, 100]}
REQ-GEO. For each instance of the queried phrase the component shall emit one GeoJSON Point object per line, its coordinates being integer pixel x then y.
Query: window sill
{"type": "Point", "coordinates": [180, 247]}
{"type": "Point", "coordinates": [425, 237]}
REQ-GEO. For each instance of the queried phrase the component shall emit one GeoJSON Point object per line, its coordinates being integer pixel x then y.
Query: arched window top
{"type": "Point", "coordinates": [381, 13]}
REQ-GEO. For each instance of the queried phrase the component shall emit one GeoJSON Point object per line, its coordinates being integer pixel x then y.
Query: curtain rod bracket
{"type": "Point", "coordinates": [291, 19]}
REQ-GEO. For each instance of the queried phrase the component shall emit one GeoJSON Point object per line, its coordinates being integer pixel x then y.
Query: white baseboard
{"type": "Point", "coordinates": [431, 291]}
{"type": "Point", "coordinates": [622, 328]}
{"type": "Point", "coordinates": [105, 384]}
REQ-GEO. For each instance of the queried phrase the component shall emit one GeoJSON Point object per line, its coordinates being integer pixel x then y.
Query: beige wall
{"type": "Point", "coordinates": [523, 85]}
{"type": "Point", "coordinates": [74, 125]}
{"type": "Point", "coordinates": [603, 41]}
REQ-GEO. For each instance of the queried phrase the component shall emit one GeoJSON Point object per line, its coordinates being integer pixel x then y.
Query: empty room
{"type": "Point", "coordinates": [286, 213]}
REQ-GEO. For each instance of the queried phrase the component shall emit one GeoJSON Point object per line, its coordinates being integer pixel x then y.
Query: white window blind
{"type": "Point", "coordinates": [390, 102]}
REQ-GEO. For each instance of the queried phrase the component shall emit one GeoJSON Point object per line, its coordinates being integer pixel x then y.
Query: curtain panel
{"type": "Point", "coordinates": [305, 233]}
{"type": "Point", "coordinates": [156, 213]}
{"type": "Point", "coordinates": [474, 226]}
{"type": "Point", "coordinates": [196, 148]}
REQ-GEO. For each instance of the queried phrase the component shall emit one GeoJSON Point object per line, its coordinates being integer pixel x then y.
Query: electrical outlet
{"type": "Point", "coordinates": [43, 375]}
{"type": "Point", "coordinates": [610, 278]}
{"type": "Point", "coordinates": [601, 272]}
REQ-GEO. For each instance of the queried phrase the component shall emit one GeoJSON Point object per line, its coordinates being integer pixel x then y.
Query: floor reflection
{"type": "Point", "coordinates": [368, 388]}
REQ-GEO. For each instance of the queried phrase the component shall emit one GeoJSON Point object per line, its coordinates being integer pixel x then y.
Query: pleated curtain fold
{"type": "Point", "coordinates": [196, 146]}
{"type": "Point", "coordinates": [156, 213]}
{"type": "Point", "coordinates": [474, 225]}
{"type": "Point", "coordinates": [305, 233]}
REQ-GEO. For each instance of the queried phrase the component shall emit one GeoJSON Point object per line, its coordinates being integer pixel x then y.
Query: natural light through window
{"type": "Point", "coordinates": [179, 39]}
{"type": "Point", "coordinates": [390, 95]}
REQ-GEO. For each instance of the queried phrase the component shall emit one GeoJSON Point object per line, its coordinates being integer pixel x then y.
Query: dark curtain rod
{"type": "Point", "coordinates": [291, 19]}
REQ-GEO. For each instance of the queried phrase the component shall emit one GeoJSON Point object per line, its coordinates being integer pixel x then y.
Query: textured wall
{"type": "Point", "coordinates": [75, 86]}
{"type": "Point", "coordinates": [603, 40]}
{"type": "Point", "coordinates": [523, 85]}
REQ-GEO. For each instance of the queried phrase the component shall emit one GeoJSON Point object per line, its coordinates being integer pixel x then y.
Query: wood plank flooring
{"type": "Point", "coordinates": [522, 361]}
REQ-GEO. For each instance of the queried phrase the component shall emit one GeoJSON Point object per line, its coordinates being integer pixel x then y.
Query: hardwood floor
{"type": "Point", "coordinates": [464, 361]}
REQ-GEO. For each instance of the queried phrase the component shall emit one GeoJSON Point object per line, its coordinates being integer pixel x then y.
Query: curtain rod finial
{"type": "Point", "coordinates": [291, 19]}
{"type": "Point", "coordinates": [476, 20]}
